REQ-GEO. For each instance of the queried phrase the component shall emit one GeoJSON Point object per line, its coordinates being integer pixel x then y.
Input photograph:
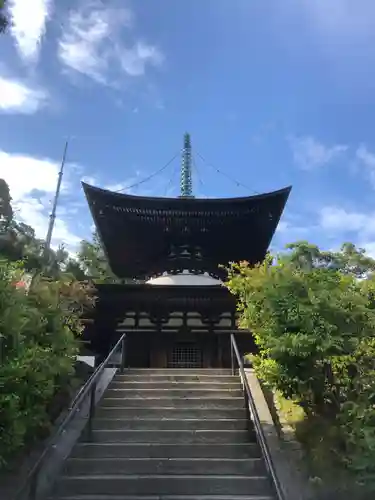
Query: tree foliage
{"type": "Point", "coordinates": [312, 316]}
{"type": "Point", "coordinates": [93, 261]}
{"type": "Point", "coordinates": [6, 211]}
{"type": "Point", "coordinates": [39, 332]}
{"type": "Point", "coordinates": [38, 328]}
{"type": "Point", "coordinates": [4, 20]}
{"type": "Point", "coordinates": [18, 242]}
{"type": "Point", "coordinates": [348, 260]}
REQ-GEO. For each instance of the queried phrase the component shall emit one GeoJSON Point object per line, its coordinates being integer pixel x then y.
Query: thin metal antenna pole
{"type": "Point", "coordinates": [52, 217]}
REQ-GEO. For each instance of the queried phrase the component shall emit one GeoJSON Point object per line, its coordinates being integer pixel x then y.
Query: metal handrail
{"type": "Point", "coordinates": [255, 417]}
{"type": "Point", "coordinates": [88, 389]}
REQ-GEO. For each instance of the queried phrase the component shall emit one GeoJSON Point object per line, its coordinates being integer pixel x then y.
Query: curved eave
{"type": "Point", "coordinates": [156, 202]}
{"type": "Point", "coordinates": [137, 231]}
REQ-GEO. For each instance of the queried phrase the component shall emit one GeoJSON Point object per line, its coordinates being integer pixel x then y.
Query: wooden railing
{"type": "Point", "coordinates": [29, 489]}
{"type": "Point", "coordinates": [250, 405]}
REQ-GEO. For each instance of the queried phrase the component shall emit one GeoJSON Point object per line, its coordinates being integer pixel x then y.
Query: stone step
{"type": "Point", "coordinates": [170, 424]}
{"type": "Point", "coordinates": [166, 402]}
{"type": "Point", "coordinates": [172, 393]}
{"type": "Point", "coordinates": [161, 450]}
{"type": "Point", "coordinates": [183, 378]}
{"type": "Point", "coordinates": [102, 466]}
{"type": "Point", "coordinates": [174, 384]}
{"type": "Point", "coordinates": [178, 371]}
{"type": "Point", "coordinates": [171, 436]}
{"type": "Point", "coordinates": [168, 412]}
{"type": "Point", "coordinates": [164, 497]}
{"type": "Point", "coordinates": [163, 485]}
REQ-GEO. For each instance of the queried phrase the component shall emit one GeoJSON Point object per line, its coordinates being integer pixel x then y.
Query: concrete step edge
{"type": "Point", "coordinates": [166, 386]}
{"type": "Point", "coordinates": [191, 408]}
{"type": "Point", "coordinates": [198, 389]}
{"type": "Point", "coordinates": [183, 370]}
{"type": "Point", "coordinates": [190, 397]}
{"type": "Point", "coordinates": [175, 375]}
{"type": "Point", "coordinates": [171, 373]}
{"type": "Point", "coordinates": [191, 477]}
{"type": "Point", "coordinates": [160, 379]}
{"type": "Point", "coordinates": [137, 419]}
{"type": "Point", "coordinates": [176, 398]}
{"type": "Point", "coordinates": [120, 444]}
{"type": "Point", "coordinates": [166, 431]}
{"type": "Point", "coordinates": [162, 497]}
{"type": "Point", "coordinates": [194, 460]}
{"type": "Point", "coordinates": [177, 383]}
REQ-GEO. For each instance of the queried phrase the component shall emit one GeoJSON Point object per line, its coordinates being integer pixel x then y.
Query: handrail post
{"type": "Point", "coordinates": [248, 412]}
{"type": "Point", "coordinates": [231, 352]}
{"type": "Point", "coordinates": [92, 408]}
{"type": "Point", "coordinates": [123, 355]}
{"type": "Point", "coordinates": [34, 485]}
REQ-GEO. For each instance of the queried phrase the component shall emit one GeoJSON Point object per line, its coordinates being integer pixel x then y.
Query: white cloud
{"type": "Point", "coordinates": [92, 44]}
{"type": "Point", "coordinates": [290, 229]}
{"type": "Point", "coordinates": [35, 213]}
{"type": "Point", "coordinates": [366, 157]}
{"type": "Point", "coordinates": [29, 23]}
{"type": "Point", "coordinates": [355, 226]}
{"type": "Point", "coordinates": [338, 220]}
{"type": "Point", "coordinates": [340, 18]}
{"type": "Point", "coordinates": [135, 59]}
{"type": "Point", "coordinates": [367, 160]}
{"type": "Point", "coordinates": [24, 175]}
{"type": "Point", "coordinates": [369, 246]}
{"type": "Point", "coordinates": [309, 153]}
{"type": "Point", "coordinates": [18, 97]}
{"type": "Point", "coordinates": [127, 186]}
{"type": "Point", "coordinates": [88, 179]}
{"type": "Point", "coordinates": [282, 227]}
{"type": "Point", "coordinates": [115, 187]}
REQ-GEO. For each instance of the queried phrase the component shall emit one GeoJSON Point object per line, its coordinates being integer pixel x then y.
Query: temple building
{"type": "Point", "coordinates": [176, 312]}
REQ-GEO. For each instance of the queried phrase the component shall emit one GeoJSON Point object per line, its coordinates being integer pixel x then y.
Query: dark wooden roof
{"type": "Point", "coordinates": [145, 297]}
{"type": "Point", "coordinates": [143, 236]}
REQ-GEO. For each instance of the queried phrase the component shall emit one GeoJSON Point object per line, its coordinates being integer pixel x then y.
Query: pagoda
{"type": "Point", "coordinates": [172, 252]}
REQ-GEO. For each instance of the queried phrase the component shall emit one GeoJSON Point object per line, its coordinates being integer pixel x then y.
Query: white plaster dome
{"type": "Point", "coordinates": [185, 279]}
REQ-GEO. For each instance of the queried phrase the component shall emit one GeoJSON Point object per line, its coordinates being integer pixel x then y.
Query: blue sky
{"type": "Point", "coordinates": [273, 93]}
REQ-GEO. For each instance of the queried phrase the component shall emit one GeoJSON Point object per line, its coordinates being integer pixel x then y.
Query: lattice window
{"type": "Point", "coordinates": [185, 356]}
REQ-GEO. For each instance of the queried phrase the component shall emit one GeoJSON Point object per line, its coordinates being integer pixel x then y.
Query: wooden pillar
{"type": "Point", "coordinates": [158, 350]}
{"type": "Point", "coordinates": [219, 351]}
{"type": "Point", "coordinates": [209, 347]}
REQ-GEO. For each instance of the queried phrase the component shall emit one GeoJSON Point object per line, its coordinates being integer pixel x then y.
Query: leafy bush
{"type": "Point", "coordinates": [38, 351]}
{"type": "Point", "coordinates": [314, 328]}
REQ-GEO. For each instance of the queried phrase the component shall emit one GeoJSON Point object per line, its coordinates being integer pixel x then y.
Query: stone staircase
{"type": "Point", "coordinates": [168, 434]}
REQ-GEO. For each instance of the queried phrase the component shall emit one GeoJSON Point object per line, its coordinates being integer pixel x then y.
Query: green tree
{"type": "Point", "coordinates": [19, 242]}
{"type": "Point", "coordinates": [38, 351]}
{"type": "Point", "coordinates": [4, 19]}
{"type": "Point", "coordinates": [94, 263]}
{"type": "Point", "coordinates": [308, 326]}
{"type": "Point", "coordinates": [349, 259]}
{"type": "Point", "coordinates": [6, 211]}
{"type": "Point", "coordinates": [313, 322]}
